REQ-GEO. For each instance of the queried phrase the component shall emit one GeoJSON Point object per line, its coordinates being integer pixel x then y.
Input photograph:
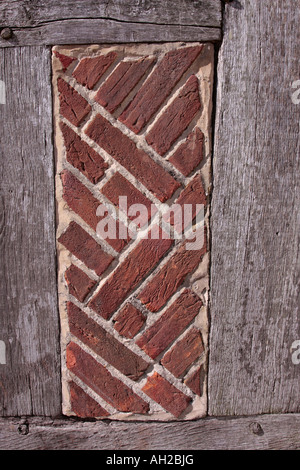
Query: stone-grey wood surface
{"type": "Point", "coordinates": [30, 379]}
{"type": "Point", "coordinates": [255, 221]}
{"type": "Point", "coordinates": [24, 13]}
{"type": "Point", "coordinates": [245, 433]}
{"type": "Point", "coordinates": [75, 22]}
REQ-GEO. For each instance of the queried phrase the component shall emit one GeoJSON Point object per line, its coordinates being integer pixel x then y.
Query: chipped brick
{"type": "Point", "coordinates": [175, 118]}
{"type": "Point", "coordinates": [79, 283]}
{"type": "Point", "coordinates": [85, 248]}
{"type": "Point", "coordinates": [72, 105]}
{"type": "Point", "coordinates": [196, 380]}
{"type": "Point", "coordinates": [104, 344]}
{"type": "Point", "coordinates": [170, 325]}
{"type": "Point", "coordinates": [121, 82]}
{"type": "Point", "coordinates": [101, 381]}
{"type": "Point", "coordinates": [82, 156]}
{"type": "Point", "coordinates": [158, 87]}
{"type": "Point", "coordinates": [90, 69]}
{"type": "Point", "coordinates": [83, 405]}
{"type": "Point", "coordinates": [181, 356]}
{"type": "Point", "coordinates": [168, 396]}
{"type": "Point", "coordinates": [129, 321]}
{"type": "Point", "coordinates": [189, 154]}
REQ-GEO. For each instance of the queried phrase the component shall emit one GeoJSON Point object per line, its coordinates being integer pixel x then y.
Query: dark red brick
{"type": "Point", "coordinates": [104, 344]}
{"type": "Point", "coordinates": [90, 69]}
{"type": "Point", "coordinates": [82, 201]}
{"type": "Point", "coordinates": [175, 118]}
{"type": "Point", "coordinates": [82, 156]}
{"type": "Point", "coordinates": [85, 248]}
{"type": "Point", "coordinates": [79, 283]}
{"type": "Point", "coordinates": [172, 275]}
{"type": "Point", "coordinates": [72, 105]}
{"type": "Point", "coordinates": [119, 186]}
{"type": "Point", "coordinates": [135, 160]}
{"type": "Point", "coordinates": [158, 87]}
{"type": "Point", "coordinates": [196, 380]}
{"type": "Point", "coordinates": [99, 379]}
{"type": "Point", "coordinates": [189, 154]}
{"type": "Point", "coordinates": [129, 321]}
{"type": "Point", "coordinates": [182, 355]}
{"type": "Point", "coordinates": [121, 82]}
{"type": "Point", "coordinates": [64, 60]}
{"type": "Point", "coordinates": [168, 396]}
{"type": "Point", "coordinates": [192, 194]}
{"type": "Point", "coordinates": [83, 405]}
{"type": "Point", "coordinates": [139, 262]}
{"type": "Point", "coordinates": [170, 325]}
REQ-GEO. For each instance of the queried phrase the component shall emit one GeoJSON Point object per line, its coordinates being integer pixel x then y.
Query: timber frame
{"type": "Point", "coordinates": [253, 388]}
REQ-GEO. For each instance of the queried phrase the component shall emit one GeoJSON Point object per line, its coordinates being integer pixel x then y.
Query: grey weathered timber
{"type": "Point", "coordinates": [78, 31]}
{"type": "Point", "coordinates": [30, 379]}
{"type": "Point", "coordinates": [21, 13]}
{"type": "Point", "coordinates": [245, 433]}
{"type": "Point", "coordinates": [255, 262]}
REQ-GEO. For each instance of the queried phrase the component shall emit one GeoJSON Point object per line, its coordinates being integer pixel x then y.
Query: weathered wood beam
{"type": "Point", "coordinates": [255, 222]}
{"type": "Point", "coordinates": [21, 13]}
{"type": "Point", "coordinates": [29, 327]}
{"type": "Point", "coordinates": [266, 432]}
{"type": "Point", "coordinates": [87, 31]}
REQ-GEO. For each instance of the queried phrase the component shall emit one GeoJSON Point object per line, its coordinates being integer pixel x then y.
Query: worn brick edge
{"type": "Point", "coordinates": [199, 280]}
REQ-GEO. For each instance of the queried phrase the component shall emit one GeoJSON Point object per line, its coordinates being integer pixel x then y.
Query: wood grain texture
{"type": "Point", "coordinates": [255, 213]}
{"type": "Point", "coordinates": [268, 432]}
{"type": "Point", "coordinates": [97, 31]}
{"type": "Point", "coordinates": [30, 379]}
{"type": "Point", "coordinates": [21, 13]}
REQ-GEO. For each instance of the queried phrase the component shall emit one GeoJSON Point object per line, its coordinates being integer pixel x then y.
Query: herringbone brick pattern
{"type": "Point", "coordinates": [133, 121]}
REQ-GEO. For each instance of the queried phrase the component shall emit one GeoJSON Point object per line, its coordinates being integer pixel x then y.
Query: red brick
{"type": "Point", "coordinates": [119, 186]}
{"type": "Point", "coordinates": [129, 321]}
{"type": "Point", "coordinates": [139, 262]}
{"type": "Point", "coordinates": [172, 275]}
{"type": "Point", "coordinates": [192, 194]}
{"type": "Point", "coordinates": [83, 405]}
{"type": "Point", "coordinates": [85, 248]}
{"type": "Point", "coordinates": [190, 153]}
{"type": "Point", "coordinates": [99, 379]}
{"type": "Point", "coordinates": [90, 69]}
{"type": "Point", "coordinates": [164, 393]}
{"type": "Point", "coordinates": [83, 203]}
{"type": "Point", "coordinates": [158, 87]}
{"type": "Point", "coordinates": [181, 356]}
{"type": "Point", "coordinates": [170, 325]}
{"type": "Point", "coordinates": [135, 160]}
{"type": "Point", "coordinates": [121, 82]}
{"type": "Point", "coordinates": [104, 344]}
{"type": "Point", "coordinates": [82, 156]}
{"type": "Point", "coordinates": [175, 118]}
{"type": "Point", "coordinates": [79, 283]}
{"type": "Point", "coordinates": [196, 380]}
{"type": "Point", "coordinates": [72, 105]}
{"type": "Point", "coordinates": [64, 60]}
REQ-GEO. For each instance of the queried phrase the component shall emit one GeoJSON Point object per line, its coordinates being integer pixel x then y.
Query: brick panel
{"type": "Point", "coordinates": [133, 121]}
